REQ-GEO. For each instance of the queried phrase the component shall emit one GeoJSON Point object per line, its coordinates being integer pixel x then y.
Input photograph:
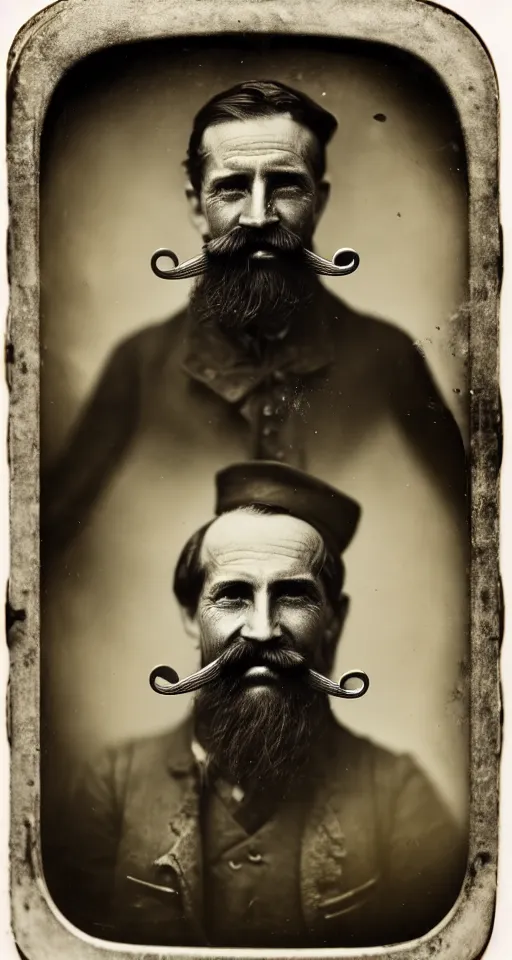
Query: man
{"type": "Point", "coordinates": [264, 358]}
{"type": "Point", "coordinates": [261, 822]}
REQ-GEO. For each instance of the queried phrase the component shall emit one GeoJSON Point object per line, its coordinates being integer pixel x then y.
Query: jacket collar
{"type": "Point", "coordinates": [232, 371]}
{"type": "Point", "coordinates": [180, 759]}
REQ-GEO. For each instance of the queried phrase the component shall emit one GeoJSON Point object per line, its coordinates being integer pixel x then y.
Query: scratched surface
{"type": "Point", "coordinates": [43, 50]}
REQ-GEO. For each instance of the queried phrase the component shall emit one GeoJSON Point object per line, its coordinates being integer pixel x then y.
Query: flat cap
{"type": "Point", "coordinates": [267, 483]}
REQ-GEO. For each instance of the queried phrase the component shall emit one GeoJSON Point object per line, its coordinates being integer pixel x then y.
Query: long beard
{"type": "Point", "coordinates": [250, 296]}
{"type": "Point", "coordinates": [260, 738]}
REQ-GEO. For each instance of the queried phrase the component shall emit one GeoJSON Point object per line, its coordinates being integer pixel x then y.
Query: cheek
{"type": "Point", "coordinates": [221, 217]}
{"type": "Point", "coordinates": [298, 214]}
{"type": "Point", "coordinates": [216, 629]}
{"type": "Point", "coordinates": [307, 626]}
{"type": "Point", "coordinates": [309, 636]}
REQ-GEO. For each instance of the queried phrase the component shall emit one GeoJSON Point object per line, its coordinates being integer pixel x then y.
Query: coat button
{"type": "Point", "coordinates": [268, 410]}
{"type": "Point", "coordinates": [167, 876]}
{"type": "Point", "coordinates": [255, 857]}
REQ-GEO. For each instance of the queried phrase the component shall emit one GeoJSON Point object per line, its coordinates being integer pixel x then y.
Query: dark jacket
{"type": "Point", "coordinates": [380, 861]}
{"type": "Point", "coordinates": [310, 400]}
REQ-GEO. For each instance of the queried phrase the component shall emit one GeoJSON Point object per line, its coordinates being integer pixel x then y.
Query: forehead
{"type": "Point", "coordinates": [258, 141]}
{"type": "Point", "coordinates": [254, 546]}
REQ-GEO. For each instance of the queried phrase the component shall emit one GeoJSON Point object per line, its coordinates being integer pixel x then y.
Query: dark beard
{"type": "Point", "coordinates": [262, 739]}
{"type": "Point", "coordinates": [254, 297]}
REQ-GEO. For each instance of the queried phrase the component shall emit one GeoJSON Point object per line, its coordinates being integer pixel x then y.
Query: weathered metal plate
{"type": "Point", "coordinates": [43, 51]}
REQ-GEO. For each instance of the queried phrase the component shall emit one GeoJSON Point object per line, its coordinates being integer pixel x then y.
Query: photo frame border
{"type": "Point", "coordinates": [41, 54]}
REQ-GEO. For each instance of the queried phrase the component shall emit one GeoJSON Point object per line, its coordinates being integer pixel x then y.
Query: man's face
{"type": "Point", "coordinates": [258, 171]}
{"type": "Point", "coordinates": [262, 585]}
{"type": "Point", "coordinates": [257, 209]}
{"type": "Point", "coordinates": [262, 602]}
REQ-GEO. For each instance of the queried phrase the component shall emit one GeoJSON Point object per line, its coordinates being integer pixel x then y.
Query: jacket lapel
{"type": "Point", "coordinates": [323, 853]}
{"type": "Point", "coordinates": [184, 856]}
{"type": "Point", "coordinates": [159, 867]}
{"type": "Point", "coordinates": [340, 863]}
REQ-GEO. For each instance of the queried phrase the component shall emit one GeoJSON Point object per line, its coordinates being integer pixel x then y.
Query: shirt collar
{"type": "Point", "coordinates": [223, 365]}
{"type": "Point", "coordinates": [202, 762]}
{"type": "Point", "coordinates": [200, 754]}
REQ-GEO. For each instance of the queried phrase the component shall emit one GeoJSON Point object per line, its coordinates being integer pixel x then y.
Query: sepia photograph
{"type": "Point", "coordinates": [262, 361]}
{"type": "Point", "coordinates": [262, 576]}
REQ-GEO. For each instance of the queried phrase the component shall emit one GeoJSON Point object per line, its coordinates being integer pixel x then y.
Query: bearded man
{"type": "Point", "coordinates": [264, 358]}
{"type": "Point", "coordinates": [261, 821]}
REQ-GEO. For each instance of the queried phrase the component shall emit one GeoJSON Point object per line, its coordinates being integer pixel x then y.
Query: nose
{"type": "Point", "coordinates": [258, 212]}
{"type": "Point", "coordinates": [259, 624]}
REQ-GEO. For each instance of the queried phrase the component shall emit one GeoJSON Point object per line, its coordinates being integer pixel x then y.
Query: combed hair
{"type": "Point", "coordinates": [189, 573]}
{"type": "Point", "coordinates": [259, 98]}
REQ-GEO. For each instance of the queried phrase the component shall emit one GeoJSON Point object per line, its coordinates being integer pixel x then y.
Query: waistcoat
{"type": "Point", "coordinates": [252, 877]}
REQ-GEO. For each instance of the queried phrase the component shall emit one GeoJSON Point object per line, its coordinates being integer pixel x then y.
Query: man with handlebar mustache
{"type": "Point", "coordinates": [265, 362]}
{"type": "Point", "coordinates": [261, 821]}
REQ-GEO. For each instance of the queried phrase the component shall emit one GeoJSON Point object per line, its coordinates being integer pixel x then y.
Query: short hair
{"type": "Point", "coordinates": [259, 98]}
{"type": "Point", "coordinates": [189, 574]}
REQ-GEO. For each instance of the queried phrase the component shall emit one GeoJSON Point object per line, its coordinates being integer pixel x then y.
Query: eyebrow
{"type": "Point", "coordinates": [232, 582]}
{"type": "Point", "coordinates": [279, 585]}
{"type": "Point", "coordinates": [305, 583]}
{"type": "Point", "coordinates": [229, 179]}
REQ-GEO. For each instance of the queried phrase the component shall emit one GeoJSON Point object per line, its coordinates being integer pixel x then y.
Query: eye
{"type": "Point", "coordinates": [289, 183]}
{"type": "Point", "coordinates": [230, 188]}
{"type": "Point", "coordinates": [229, 193]}
{"type": "Point", "coordinates": [297, 591]}
{"type": "Point", "coordinates": [230, 594]}
{"type": "Point", "coordinates": [288, 188]}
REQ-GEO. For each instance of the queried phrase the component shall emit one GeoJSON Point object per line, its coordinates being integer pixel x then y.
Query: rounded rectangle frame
{"type": "Point", "coordinates": [42, 52]}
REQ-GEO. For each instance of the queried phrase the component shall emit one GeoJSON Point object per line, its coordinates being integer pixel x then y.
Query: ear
{"type": "Point", "coordinates": [190, 625]}
{"type": "Point", "coordinates": [323, 192]}
{"type": "Point", "coordinates": [196, 212]}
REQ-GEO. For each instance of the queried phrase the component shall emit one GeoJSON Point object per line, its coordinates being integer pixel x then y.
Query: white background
{"type": "Point", "coordinates": [492, 20]}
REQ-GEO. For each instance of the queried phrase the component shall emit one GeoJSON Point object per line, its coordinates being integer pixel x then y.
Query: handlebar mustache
{"type": "Point", "coordinates": [240, 655]}
{"type": "Point", "coordinates": [244, 239]}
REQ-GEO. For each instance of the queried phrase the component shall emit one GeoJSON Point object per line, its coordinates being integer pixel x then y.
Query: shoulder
{"type": "Point", "coordinates": [135, 759]}
{"type": "Point", "coordinates": [362, 758]}
{"type": "Point", "coordinates": [171, 746]}
{"type": "Point", "coordinates": [400, 789]}
{"type": "Point", "coordinates": [151, 341]}
{"type": "Point", "coordinates": [377, 329]}
{"type": "Point", "coordinates": [380, 337]}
